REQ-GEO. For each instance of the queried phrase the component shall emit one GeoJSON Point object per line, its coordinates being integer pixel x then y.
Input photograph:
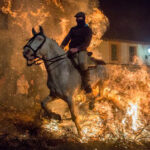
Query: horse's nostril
{"type": "Point", "coordinates": [25, 53]}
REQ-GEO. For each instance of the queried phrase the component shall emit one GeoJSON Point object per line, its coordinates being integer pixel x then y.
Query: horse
{"type": "Point", "coordinates": [64, 79]}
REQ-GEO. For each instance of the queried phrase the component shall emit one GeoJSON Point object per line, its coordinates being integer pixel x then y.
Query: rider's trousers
{"type": "Point", "coordinates": [82, 60]}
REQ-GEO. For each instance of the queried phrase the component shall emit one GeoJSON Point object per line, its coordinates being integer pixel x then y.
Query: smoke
{"type": "Point", "coordinates": [18, 18]}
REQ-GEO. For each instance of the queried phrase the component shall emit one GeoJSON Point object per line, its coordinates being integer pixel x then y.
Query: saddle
{"type": "Point", "coordinates": [92, 62]}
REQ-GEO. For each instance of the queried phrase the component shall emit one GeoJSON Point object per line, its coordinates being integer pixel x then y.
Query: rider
{"type": "Point", "coordinates": [80, 37]}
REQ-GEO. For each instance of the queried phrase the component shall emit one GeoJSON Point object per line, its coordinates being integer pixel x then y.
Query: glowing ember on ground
{"type": "Point", "coordinates": [51, 126]}
{"type": "Point", "coordinates": [133, 112]}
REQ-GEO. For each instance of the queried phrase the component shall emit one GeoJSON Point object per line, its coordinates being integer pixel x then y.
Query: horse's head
{"type": "Point", "coordinates": [34, 46]}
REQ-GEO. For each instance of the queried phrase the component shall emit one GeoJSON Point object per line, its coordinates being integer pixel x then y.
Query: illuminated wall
{"type": "Point", "coordinates": [123, 51]}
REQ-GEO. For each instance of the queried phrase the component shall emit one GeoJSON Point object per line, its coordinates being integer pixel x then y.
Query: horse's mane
{"type": "Point", "coordinates": [54, 41]}
{"type": "Point", "coordinates": [55, 45]}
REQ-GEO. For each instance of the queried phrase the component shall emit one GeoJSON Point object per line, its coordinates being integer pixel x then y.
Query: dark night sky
{"type": "Point", "coordinates": [129, 19]}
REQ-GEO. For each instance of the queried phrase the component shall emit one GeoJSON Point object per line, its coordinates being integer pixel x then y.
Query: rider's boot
{"type": "Point", "coordinates": [86, 81]}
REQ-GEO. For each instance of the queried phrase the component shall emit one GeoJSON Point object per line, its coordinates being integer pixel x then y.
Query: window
{"type": "Point", "coordinates": [114, 52]}
{"type": "Point", "coordinates": [132, 53]}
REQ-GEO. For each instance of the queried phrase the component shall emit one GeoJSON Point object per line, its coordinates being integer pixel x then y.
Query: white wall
{"type": "Point", "coordinates": [142, 51]}
{"type": "Point", "coordinates": [124, 53]}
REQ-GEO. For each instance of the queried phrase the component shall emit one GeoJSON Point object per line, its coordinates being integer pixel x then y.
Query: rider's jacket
{"type": "Point", "coordinates": [79, 37]}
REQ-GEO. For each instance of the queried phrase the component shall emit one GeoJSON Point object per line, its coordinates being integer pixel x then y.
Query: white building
{"type": "Point", "coordinates": [125, 52]}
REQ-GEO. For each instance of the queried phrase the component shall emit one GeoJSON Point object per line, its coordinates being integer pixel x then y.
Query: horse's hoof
{"type": "Point", "coordinates": [56, 116]}
{"type": "Point", "coordinates": [53, 116]}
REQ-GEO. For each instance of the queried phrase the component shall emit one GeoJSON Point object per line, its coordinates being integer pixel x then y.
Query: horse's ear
{"type": "Point", "coordinates": [33, 31]}
{"type": "Point", "coordinates": [41, 30]}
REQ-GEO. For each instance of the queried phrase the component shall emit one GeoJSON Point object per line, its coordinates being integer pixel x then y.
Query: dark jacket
{"type": "Point", "coordinates": [79, 37]}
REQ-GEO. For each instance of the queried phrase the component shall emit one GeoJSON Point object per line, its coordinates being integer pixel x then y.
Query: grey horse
{"type": "Point", "coordinates": [64, 80]}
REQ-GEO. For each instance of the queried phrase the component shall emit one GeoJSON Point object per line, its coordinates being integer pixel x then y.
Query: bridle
{"type": "Point", "coordinates": [35, 62]}
{"type": "Point", "coordinates": [28, 45]}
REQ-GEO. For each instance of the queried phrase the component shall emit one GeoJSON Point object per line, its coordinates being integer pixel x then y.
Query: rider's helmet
{"type": "Point", "coordinates": [80, 14]}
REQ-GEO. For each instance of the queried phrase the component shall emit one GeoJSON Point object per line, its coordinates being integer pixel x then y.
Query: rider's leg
{"type": "Point", "coordinates": [83, 63]}
{"type": "Point", "coordinates": [83, 60]}
{"type": "Point", "coordinates": [86, 81]}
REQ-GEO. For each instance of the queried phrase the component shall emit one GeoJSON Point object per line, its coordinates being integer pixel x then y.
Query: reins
{"type": "Point", "coordinates": [52, 60]}
{"type": "Point", "coordinates": [55, 58]}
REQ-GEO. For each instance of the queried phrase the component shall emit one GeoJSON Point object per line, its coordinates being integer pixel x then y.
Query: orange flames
{"type": "Point", "coordinates": [26, 19]}
{"type": "Point", "coordinates": [7, 9]}
{"type": "Point", "coordinates": [56, 2]}
{"type": "Point", "coordinates": [99, 23]}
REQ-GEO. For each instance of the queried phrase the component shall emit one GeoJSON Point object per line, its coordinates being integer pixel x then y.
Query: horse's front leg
{"type": "Point", "coordinates": [48, 112]}
{"type": "Point", "coordinates": [73, 116]}
{"type": "Point", "coordinates": [45, 102]}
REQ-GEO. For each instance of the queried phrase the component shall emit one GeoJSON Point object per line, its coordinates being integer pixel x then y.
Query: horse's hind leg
{"type": "Point", "coordinates": [98, 96]}
{"type": "Point", "coordinates": [47, 111]}
{"type": "Point", "coordinates": [73, 116]}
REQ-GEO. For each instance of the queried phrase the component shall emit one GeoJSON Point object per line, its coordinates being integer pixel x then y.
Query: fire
{"type": "Point", "coordinates": [56, 2]}
{"type": "Point", "coordinates": [26, 19]}
{"type": "Point", "coordinates": [7, 9]}
{"type": "Point", "coordinates": [133, 112]}
{"type": "Point", "coordinates": [99, 23]}
{"type": "Point", "coordinates": [52, 126]}
{"type": "Point", "coordinates": [63, 24]}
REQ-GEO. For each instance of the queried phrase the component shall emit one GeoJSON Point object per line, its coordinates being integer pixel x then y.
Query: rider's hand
{"type": "Point", "coordinates": [74, 50]}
